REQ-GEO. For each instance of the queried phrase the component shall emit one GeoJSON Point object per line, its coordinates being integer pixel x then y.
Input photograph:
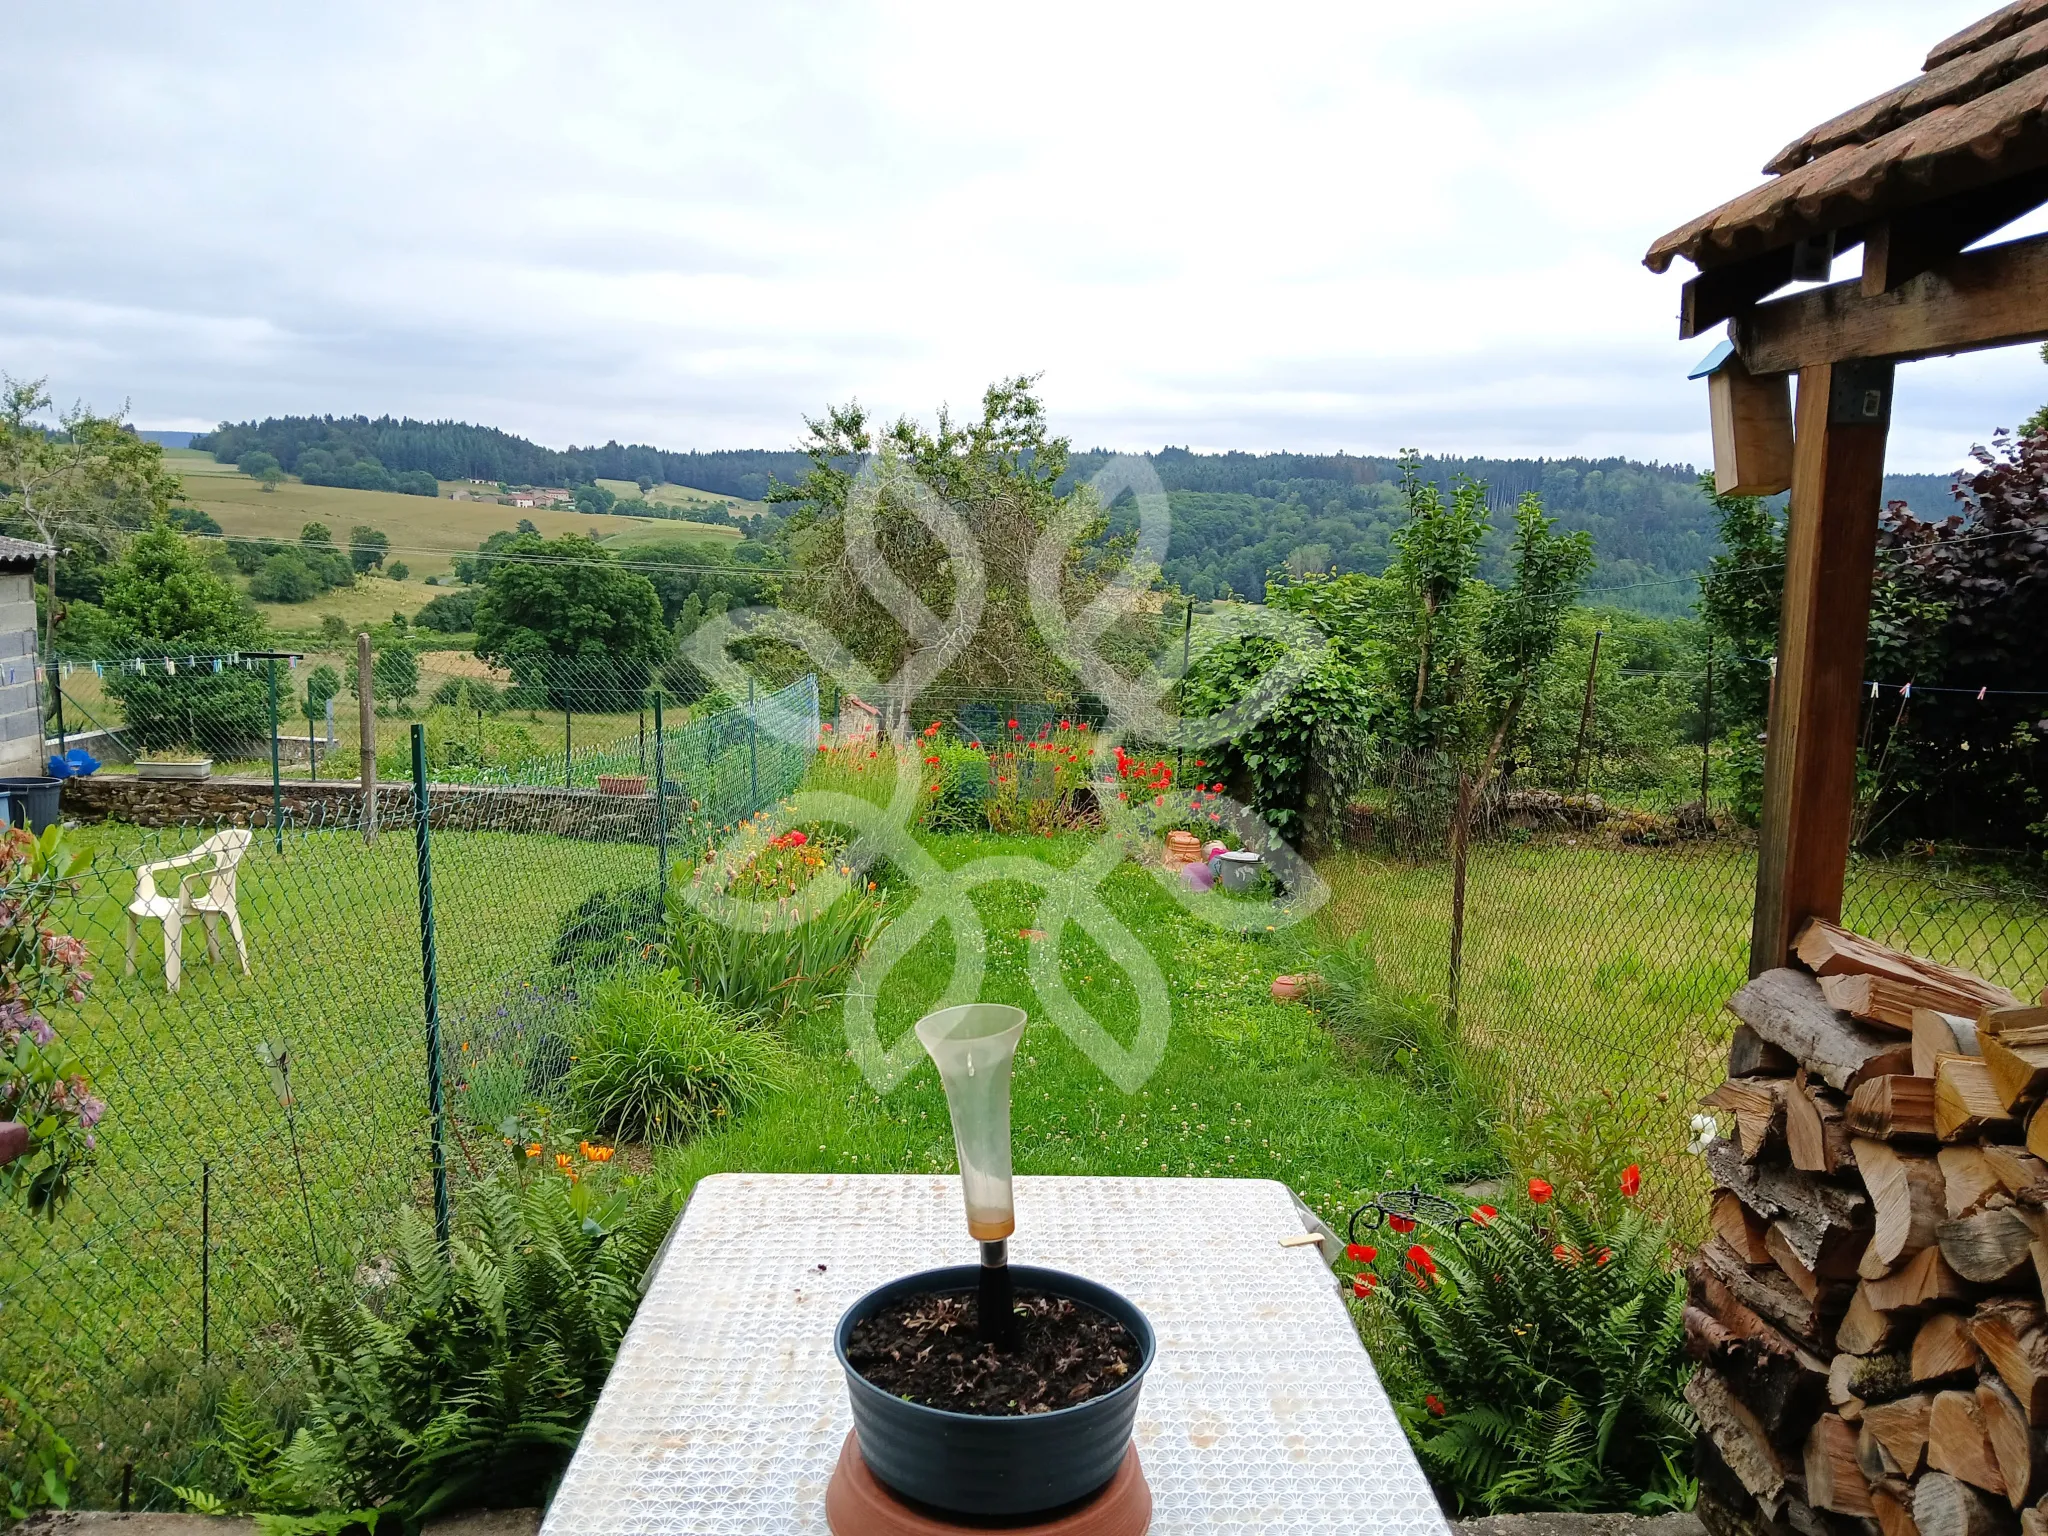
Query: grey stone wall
{"type": "Point", "coordinates": [21, 714]}
{"type": "Point", "coordinates": [576, 813]}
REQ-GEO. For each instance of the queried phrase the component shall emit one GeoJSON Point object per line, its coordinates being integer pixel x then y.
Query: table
{"type": "Point", "coordinates": [726, 1409]}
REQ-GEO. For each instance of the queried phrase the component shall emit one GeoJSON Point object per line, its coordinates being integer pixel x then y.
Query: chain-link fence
{"type": "Point", "coordinates": [1585, 948]}
{"type": "Point", "coordinates": [265, 1118]}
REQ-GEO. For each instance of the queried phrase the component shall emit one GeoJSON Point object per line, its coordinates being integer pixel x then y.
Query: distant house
{"type": "Point", "coordinates": [523, 499]}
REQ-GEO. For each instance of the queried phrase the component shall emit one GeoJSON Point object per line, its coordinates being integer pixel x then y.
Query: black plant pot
{"type": "Point", "coordinates": [980, 1465]}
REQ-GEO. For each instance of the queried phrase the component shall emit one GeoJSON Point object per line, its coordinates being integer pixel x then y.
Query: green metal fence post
{"type": "Point", "coordinates": [276, 786]}
{"type": "Point", "coordinates": [660, 812]}
{"type": "Point", "coordinates": [423, 846]}
{"type": "Point", "coordinates": [56, 670]}
{"type": "Point", "coordinates": [568, 730]}
{"type": "Point", "coordinates": [753, 754]}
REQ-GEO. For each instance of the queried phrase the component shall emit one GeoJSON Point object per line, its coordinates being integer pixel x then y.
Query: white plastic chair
{"type": "Point", "coordinates": [211, 902]}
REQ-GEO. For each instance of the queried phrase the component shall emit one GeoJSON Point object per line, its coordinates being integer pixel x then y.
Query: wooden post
{"type": "Point", "coordinates": [1844, 413]}
{"type": "Point", "coordinates": [366, 744]}
{"type": "Point", "coordinates": [1586, 712]}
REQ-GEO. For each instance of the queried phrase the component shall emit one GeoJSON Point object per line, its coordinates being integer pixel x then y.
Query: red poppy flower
{"type": "Point", "coordinates": [1565, 1255]}
{"type": "Point", "coordinates": [1013, 725]}
{"type": "Point", "coordinates": [1484, 1214]}
{"type": "Point", "coordinates": [932, 760]}
{"type": "Point", "coordinates": [1434, 1403]}
{"type": "Point", "coordinates": [1603, 1256]}
{"type": "Point", "coordinates": [1401, 1223]}
{"type": "Point", "coordinates": [1064, 726]}
{"type": "Point", "coordinates": [1420, 1264]}
{"type": "Point", "coordinates": [1361, 1253]}
{"type": "Point", "coordinates": [1540, 1191]}
{"type": "Point", "coordinates": [1631, 1180]}
{"type": "Point", "coordinates": [1363, 1283]}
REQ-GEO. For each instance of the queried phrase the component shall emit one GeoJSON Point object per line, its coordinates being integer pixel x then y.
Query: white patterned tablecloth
{"type": "Point", "coordinates": [726, 1410]}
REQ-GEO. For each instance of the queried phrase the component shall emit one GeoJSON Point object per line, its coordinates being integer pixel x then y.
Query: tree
{"type": "Point", "coordinates": [367, 547]}
{"type": "Point", "coordinates": [322, 683]}
{"type": "Point", "coordinates": [162, 603]}
{"type": "Point", "coordinates": [90, 476]}
{"type": "Point", "coordinates": [594, 498]}
{"type": "Point", "coordinates": [316, 536]}
{"type": "Point", "coordinates": [1437, 555]}
{"type": "Point", "coordinates": [1522, 626]}
{"type": "Point", "coordinates": [398, 570]}
{"type": "Point", "coordinates": [1740, 597]}
{"type": "Point", "coordinates": [333, 630]}
{"type": "Point", "coordinates": [286, 578]}
{"type": "Point", "coordinates": [567, 599]}
{"type": "Point", "coordinates": [396, 674]}
{"type": "Point", "coordinates": [1000, 474]}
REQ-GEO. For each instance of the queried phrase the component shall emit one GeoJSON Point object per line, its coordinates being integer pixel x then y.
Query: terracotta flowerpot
{"type": "Point", "coordinates": [1290, 989]}
{"type": "Point", "coordinates": [1182, 848]}
{"type": "Point", "coordinates": [622, 784]}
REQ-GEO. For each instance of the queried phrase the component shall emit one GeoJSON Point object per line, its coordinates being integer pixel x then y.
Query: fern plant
{"type": "Point", "coordinates": [468, 1377]}
{"type": "Point", "coordinates": [1537, 1360]}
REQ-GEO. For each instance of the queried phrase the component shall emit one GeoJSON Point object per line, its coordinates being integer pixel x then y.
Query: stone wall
{"type": "Point", "coordinates": [577, 813]}
{"type": "Point", "coordinates": [21, 704]}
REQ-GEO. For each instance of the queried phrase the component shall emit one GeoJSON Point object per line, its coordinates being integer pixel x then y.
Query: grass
{"type": "Point", "coordinates": [426, 538]}
{"type": "Point", "coordinates": [684, 496]}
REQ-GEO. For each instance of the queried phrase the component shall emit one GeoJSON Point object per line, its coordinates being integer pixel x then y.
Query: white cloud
{"type": "Point", "coordinates": [1316, 227]}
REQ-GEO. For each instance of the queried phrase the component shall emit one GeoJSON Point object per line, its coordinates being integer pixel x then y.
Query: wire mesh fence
{"type": "Point", "coordinates": [266, 1118]}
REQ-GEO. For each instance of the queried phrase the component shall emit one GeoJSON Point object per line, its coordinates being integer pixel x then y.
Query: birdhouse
{"type": "Point", "coordinates": [1752, 419]}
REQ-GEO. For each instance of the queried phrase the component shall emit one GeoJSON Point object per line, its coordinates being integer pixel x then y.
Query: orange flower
{"type": "Point", "coordinates": [1565, 1255]}
{"type": "Point", "coordinates": [1631, 1180]}
{"type": "Point", "coordinates": [1484, 1214]}
{"type": "Point", "coordinates": [533, 1149]}
{"type": "Point", "coordinates": [1539, 1191]}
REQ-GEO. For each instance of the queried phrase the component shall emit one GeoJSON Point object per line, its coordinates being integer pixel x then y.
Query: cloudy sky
{"type": "Point", "coordinates": [1311, 226]}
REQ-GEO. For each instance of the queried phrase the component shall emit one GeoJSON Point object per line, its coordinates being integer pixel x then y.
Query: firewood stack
{"type": "Point", "coordinates": [1868, 1315]}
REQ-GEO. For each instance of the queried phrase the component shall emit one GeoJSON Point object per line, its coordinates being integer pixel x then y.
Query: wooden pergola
{"type": "Point", "coordinates": [1916, 177]}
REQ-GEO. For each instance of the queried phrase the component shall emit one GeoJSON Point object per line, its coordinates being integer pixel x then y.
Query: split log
{"type": "Point", "coordinates": [1893, 1108]}
{"type": "Point", "coordinates": [1787, 1008]}
{"type": "Point", "coordinates": [1944, 1506]}
{"type": "Point", "coordinates": [2018, 1064]}
{"type": "Point", "coordinates": [1900, 1427]}
{"type": "Point", "coordinates": [1726, 1507]}
{"type": "Point", "coordinates": [1937, 1034]}
{"type": "Point", "coordinates": [1779, 1245]}
{"type": "Point", "coordinates": [1943, 1348]}
{"type": "Point", "coordinates": [1968, 1181]}
{"type": "Point", "coordinates": [2037, 1132]}
{"type": "Point", "coordinates": [2012, 1441]}
{"type": "Point", "coordinates": [2018, 1171]}
{"type": "Point", "coordinates": [1758, 1105]}
{"type": "Point", "coordinates": [1816, 1131]}
{"type": "Point", "coordinates": [1782, 1384]}
{"type": "Point", "coordinates": [1869, 1379]}
{"type": "Point", "coordinates": [2034, 1522]}
{"type": "Point", "coordinates": [1988, 1248]}
{"type": "Point", "coordinates": [1827, 1224]}
{"type": "Point", "coordinates": [1737, 1435]}
{"type": "Point", "coordinates": [1923, 1278]}
{"type": "Point", "coordinates": [1766, 1292]}
{"type": "Point", "coordinates": [1863, 1329]}
{"type": "Point", "coordinates": [1892, 1498]}
{"type": "Point", "coordinates": [1833, 1478]}
{"type": "Point", "coordinates": [1873, 1458]}
{"type": "Point", "coordinates": [2007, 1019]}
{"type": "Point", "coordinates": [1740, 1227]}
{"type": "Point", "coordinates": [1891, 1004]}
{"type": "Point", "coordinates": [1827, 949]}
{"type": "Point", "coordinates": [1751, 1055]}
{"type": "Point", "coordinates": [1957, 1444]}
{"type": "Point", "coordinates": [1966, 1103]}
{"type": "Point", "coordinates": [2013, 1334]}
{"type": "Point", "coordinates": [1905, 1194]}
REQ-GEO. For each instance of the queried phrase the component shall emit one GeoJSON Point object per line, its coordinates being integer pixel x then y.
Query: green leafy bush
{"type": "Point", "coordinates": [654, 1061]}
{"type": "Point", "coordinates": [765, 970]}
{"type": "Point", "coordinates": [953, 787]}
{"type": "Point", "coordinates": [1536, 1357]}
{"type": "Point", "coordinates": [468, 1378]}
{"type": "Point", "coordinates": [609, 928]}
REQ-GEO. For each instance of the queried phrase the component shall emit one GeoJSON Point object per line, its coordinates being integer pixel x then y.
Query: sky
{"type": "Point", "coordinates": [1359, 225]}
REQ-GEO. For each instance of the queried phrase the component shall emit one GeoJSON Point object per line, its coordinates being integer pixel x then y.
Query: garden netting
{"type": "Point", "coordinates": [262, 1127]}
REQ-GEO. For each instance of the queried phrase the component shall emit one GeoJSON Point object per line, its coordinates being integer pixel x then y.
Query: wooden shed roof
{"type": "Point", "coordinates": [1977, 116]}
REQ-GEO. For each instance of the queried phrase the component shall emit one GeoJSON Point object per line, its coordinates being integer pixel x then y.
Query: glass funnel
{"type": "Point", "coordinates": [973, 1046]}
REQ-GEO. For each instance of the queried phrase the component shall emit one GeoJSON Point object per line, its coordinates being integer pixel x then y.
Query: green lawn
{"type": "Point", "coordinates": [1587, 968]}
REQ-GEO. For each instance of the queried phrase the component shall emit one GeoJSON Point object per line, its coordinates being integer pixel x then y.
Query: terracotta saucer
{"type": "Point", "coordinates": [857, 1505]}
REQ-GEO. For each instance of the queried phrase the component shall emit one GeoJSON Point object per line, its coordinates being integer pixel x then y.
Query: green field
{"type": "Point", "coordinates": [427, 538]}
{"type": "Point", "coordinates": [685, 497]}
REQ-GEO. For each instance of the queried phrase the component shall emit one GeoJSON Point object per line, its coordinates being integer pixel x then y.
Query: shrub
{"type": "Point", "coordinates": [953, 787]}
{"type": "Point", "coordinates": [609, 928]}
{"type": "Point", "coordinates": [285, 578]}
{"type": "Point", "coordinates": [472, 694]}
{"type": "Point", "coordinates": [452, 613]}
{"type": "Point", "coordinates": [1536, 1358]}
{"type": "Point", "coordinates": [656, 1062]}
{"type": "Point", "coordinates": [468, 1378]}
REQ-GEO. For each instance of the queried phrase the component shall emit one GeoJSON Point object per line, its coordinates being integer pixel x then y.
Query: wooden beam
{"type": "Point", "coordinates": [1844, 413]}
{"type": "Point", "coordinates": [1995, 297]}
{"type": "Point", "coordinates": [1900, 248]}
{"type": "Point", "coordinates": [1722, 293]}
